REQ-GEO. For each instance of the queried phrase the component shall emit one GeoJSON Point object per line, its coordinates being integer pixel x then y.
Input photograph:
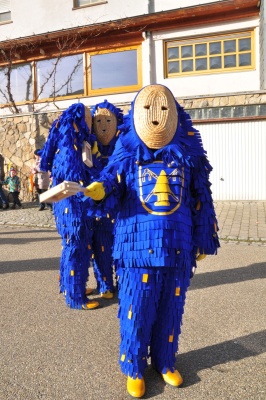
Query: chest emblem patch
{"type": "Point", "coordinates": [160, 188]}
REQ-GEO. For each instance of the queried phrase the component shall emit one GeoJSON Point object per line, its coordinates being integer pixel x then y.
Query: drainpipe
{"type": "Point", "coordinates": [147, 35]}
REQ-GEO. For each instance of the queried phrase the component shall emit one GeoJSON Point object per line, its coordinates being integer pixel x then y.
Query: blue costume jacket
{"type": "Point", "coordinates": [160, 229]}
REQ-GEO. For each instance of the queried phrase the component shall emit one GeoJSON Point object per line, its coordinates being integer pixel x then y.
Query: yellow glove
{"type": "Point", "coordinates": [95, 190]}
{"type": "Point", "coordinates": [95, 150]}
{"type": "Point", "coordinates": [200, 257]}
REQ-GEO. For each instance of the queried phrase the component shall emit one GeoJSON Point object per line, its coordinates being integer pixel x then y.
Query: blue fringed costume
{"type": "Point", "coordinates": [106, 124]}
{"type": "Point", "coordinates": [62, 155]}
{"type": "Point", "coordinates": [165, 220]}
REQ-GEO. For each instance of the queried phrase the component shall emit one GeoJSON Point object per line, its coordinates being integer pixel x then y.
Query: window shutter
{"type": "Point", "coordinates": [4, 6]}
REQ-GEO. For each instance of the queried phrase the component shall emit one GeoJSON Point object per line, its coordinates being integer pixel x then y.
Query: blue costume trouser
{"type": "Point", "coordinates": [151, 304]}
{"type": "Point", "coordinates": [74, 272]}
{"type": "Point", "coordinates": [103, 259]}
{"type": "Point", "coordinates": [76, 232]}
{"type": "Point", "coordinates": [3, 196]}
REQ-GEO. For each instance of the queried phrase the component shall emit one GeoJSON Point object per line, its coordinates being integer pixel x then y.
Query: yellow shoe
{"type": "Point", "coordinates": [173, 378]}
{"type": "Point", "coordinates": [90, 305]}
{"type": "Point", "coordinates": [107, 295]}
{"type": "Point", "coordinates": [135, 387]}
{"type": "Point", "coordinates": [88, 291]}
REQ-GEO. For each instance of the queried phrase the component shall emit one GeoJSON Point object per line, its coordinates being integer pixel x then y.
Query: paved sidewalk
{"type": "Point", "coordinates": [241, 220]}
{"type": "Point", "coordinates": [237, 220]}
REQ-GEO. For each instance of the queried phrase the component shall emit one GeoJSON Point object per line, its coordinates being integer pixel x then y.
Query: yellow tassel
{"type": "Point", "coordinates": [72, 272]}
{"type": "Point", "coordinates": [66, 210]}
{"type": "Point", "coordinates": [130, 313]}
{"type": "Point", "coordinates": [177, 291]}
{"type": "Point", "coordinates": [171, 337]}
{"type": "Point", "coordinates": [145, 278]}
{"type": "Point", "coordinates": [123, 357]}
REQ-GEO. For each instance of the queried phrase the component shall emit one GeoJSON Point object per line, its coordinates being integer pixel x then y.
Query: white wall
{"type": "Point", "coordinates": [236, 151]}
{"type": "Point", "coordinates": [206, 84]}
{"type": "Point", "coordinates": [34, 17]}
{"type": "Point", "coordinates": [39, 16]}
{"type": "Point", "coordinates": [263, 44]}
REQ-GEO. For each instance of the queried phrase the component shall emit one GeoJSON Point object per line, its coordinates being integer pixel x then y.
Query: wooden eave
{"type": "Point", "coordinates": [128, 31]}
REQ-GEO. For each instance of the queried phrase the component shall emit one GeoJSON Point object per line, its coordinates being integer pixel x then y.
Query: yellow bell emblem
{"type": "Point", "coordinates": [162, 190]}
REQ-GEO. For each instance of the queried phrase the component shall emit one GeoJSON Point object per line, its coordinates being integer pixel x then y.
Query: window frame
{"type": "Point", "coordinates": [115, 89]}
{"type": "Point", "coordinates": [77, 7]}
{"type": "Point", "coordinates": [57, 98]}
{"type": "Point", "coordinates": [209, 39]}
{"type": "Point", "coordinates": [5, 21]}
{"type": "Point", "coordinates": [5, 10]}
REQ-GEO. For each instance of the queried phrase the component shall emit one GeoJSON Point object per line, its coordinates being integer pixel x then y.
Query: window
{"type": "Point", "coordinates": [5, 14]}
{"type": "Point", "coordinates": [58, 77]}
{"type": "Point", "coordinates": [81, 3]}
{"type": "Point", "coordinates": [79, 75]}
{"type": "Point", "coordinates": [114, 71]}
{"type": "Point", "coordinates": [232, 52]}
{"type": "Point", "coordinates": [21, 83]}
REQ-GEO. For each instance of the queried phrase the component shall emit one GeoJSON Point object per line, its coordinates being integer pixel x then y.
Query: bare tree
{"type": "Point", "coordinates": [8, 93]}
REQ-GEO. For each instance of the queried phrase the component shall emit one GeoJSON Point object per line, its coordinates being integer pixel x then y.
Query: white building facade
{"type": "Point", "coordinates": [210, 54]}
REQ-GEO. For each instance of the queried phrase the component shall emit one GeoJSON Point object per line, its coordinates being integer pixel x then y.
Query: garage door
{"type": "Point", "coordinates": [237, 153]}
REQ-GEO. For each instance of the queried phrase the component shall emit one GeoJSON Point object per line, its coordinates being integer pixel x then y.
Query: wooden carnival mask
{"type": "Point", "coordinates": [105, 125]}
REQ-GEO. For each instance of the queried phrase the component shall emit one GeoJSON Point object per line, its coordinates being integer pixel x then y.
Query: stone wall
{"type": "Point", "coordinates": [21, 134]}
{"type": "Point", "coordinates": [223, 101]}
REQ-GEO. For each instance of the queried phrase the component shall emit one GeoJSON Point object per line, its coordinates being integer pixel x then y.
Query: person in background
{"type": "Point", "coordinates": [42, 179]}
{"type": "Point", "coordinates": [157, 180]}
{"type": "Point", "coordinates": [106, 125]}
{"type": "Point", "coordinates": [13, 182]}
{"type": "Point", "coordinates": [4, 202]}
{"type": "Point", "coordinates": [3, 199]}
{"type": "Point", "coordinates": [63, 155]}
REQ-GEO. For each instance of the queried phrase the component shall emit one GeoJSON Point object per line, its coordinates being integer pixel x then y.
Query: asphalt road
{"type": "Point", "coordinates": [51, 352]}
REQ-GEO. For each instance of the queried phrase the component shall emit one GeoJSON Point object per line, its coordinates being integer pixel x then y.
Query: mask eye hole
{"type": "Point", "coordinates": [108, 120]}
{"type": "Point", "coordinates": [164, 108]}
{"type": "Point", "coordinates": [98, 120]}
{"type": "Point", "coordinates": [147, 107]}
